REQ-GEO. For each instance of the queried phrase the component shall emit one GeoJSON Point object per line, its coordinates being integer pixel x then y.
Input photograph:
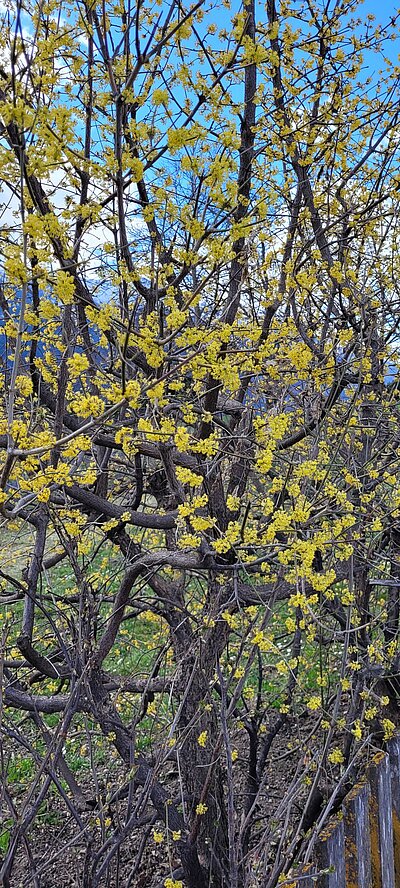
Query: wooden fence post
{"type": "Point", "coordinates": [382, 857]}
{"type": "Point", "coordinates": [393, 748]}
{"type": "Point", "coordinates": [357, 837]}
{"type": "Point", "coordinates": [362, 849]}
{"type": "Point", "coordinates": [330, 856]}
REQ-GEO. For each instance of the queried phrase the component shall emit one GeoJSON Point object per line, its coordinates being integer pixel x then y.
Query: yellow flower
{"type": "Point", "coordinates": [239, 672]}
{"type": "Point", "coordinates": [264, 461]}
{"type": "Point", "coordinates": [43, 495]}
{"type": "Point", "coordinates": [87, 405]}
{"type": "Point", "coordinates": [177, 138]}
{"type": "Point", "coordinates": [189, 541]}
{"type": "Point", "coordinates": [132, 392]}
{"type": "Point", "coordinates": [160, 97]}
{"type": "Point", "coordinates": [201, 809]}
{"type": "Point", "coordinates": [232, 620]}
{"type": "Point", "coordinates": [136, 169]}
{"type": "Point", "coordinates": [202, 738]}
{"type": "Point", "coordinates": [158, 837]}
{"type": "Point", "coordinates": [389, 728]}
{"type": "Point", "coordinates": [77, 364]}
{"type": "Point", "coordinates": [64, 287]}
{"type": "Point", "coordinates": [24, 386]}
{"type": "Point", "coordinates": [336, 756]}
{"type": "Point", "coordinates": [232, 503]}
{"type": "Point", "coordinates": [182, 439]}
{"type": "Point", "coordinates": [221, 546]}
{"type": "Point", "coordinates": [314, 703]}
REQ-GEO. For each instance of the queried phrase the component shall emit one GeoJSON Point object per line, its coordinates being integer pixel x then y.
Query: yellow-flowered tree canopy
{"type": "Point", "coordinates": [199, 432]}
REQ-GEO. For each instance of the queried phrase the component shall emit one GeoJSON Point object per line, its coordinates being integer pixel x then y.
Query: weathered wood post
{"type": "Point", "coordinates": [393, 749]}
{"type": "Point", "coordinates": [361, 848]}
{"type": "Point", "coordinates": [382, 856]}
{"type": "Point", "coordinates": [330, 859]}
{"type": "Point", "coordinates": [357, 837]}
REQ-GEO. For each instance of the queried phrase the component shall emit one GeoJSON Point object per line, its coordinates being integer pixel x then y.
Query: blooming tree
{"type": "Point", "coordinates": [199, 426]}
